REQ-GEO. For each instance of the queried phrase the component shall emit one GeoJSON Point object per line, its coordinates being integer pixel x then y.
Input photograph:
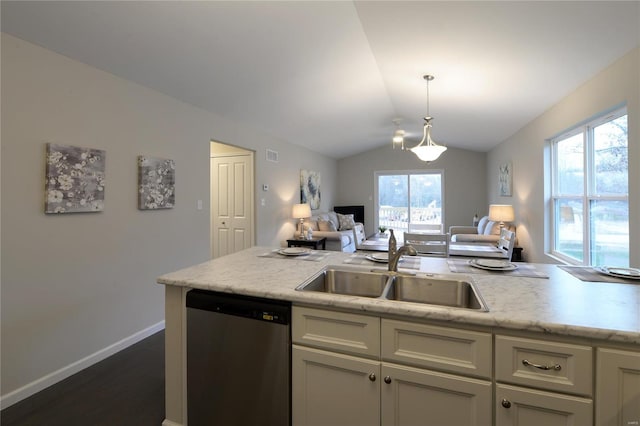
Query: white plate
{"type": "Point", "coordinates": [493, 263]}
{"type": "Point", "coordinates": [631, 273]}
{"type": "Point", "coordinates": [378, 257]}
{"type": "Point", "coordinates": [294, 251]}
{"type": "Point", "coordinates": [509, 267]}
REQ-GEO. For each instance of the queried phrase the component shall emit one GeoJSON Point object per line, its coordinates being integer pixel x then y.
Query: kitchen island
{"type": "Point", "coordinates": [556, 307]}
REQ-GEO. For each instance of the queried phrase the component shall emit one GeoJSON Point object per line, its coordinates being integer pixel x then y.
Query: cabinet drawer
{"type": "Point", "coordinates": [448, 349]}
{"type": "Point", "coordinates": [337, 331]}
{"type": "Point", "coordinates": [548, 365]}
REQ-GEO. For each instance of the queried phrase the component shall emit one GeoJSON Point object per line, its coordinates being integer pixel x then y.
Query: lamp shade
{"type": "Point", "coordinates": [501, 213]}
{"type": "Point", "coordinates": [301, 211]}
{"type": "Point", "coordinates": [428, 152]}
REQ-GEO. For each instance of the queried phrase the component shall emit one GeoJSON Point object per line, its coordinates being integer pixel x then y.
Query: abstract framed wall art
{"type": "Point", "coordinates": [310, 188]}
{"type": "Point", "coordinates": [505, 179]}
{"type": "Point", "coordinates": [156, 183]}
{"type": "Point", "coordinates": [75, 179]}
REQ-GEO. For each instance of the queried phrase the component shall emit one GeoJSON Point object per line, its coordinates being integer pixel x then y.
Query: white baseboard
{"type": "Point", "coordinates": [44, 382]}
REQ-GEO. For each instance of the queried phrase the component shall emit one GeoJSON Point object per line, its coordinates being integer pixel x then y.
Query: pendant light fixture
{"type": "Point", "coordinates": [427, 150]}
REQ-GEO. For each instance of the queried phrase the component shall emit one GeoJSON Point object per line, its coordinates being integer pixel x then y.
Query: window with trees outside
{"type": "Point", "coordinates": [409, 200]}
{"type": "Point", "coordinates": [590, 193]}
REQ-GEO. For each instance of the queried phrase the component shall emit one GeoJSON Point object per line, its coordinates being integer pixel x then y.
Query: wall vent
{"type": "Point", "coordinates": [272, 155]}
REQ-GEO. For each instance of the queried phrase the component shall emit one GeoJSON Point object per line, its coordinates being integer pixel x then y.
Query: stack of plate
{"type": "Point", "coordinates": [631, 273]}
{"type": "Point", "coordinates": [378, 257]}
{"type": "Point", "coordinates": [294, 251]}
{"type": "Point", "coordinates": [493, 264]}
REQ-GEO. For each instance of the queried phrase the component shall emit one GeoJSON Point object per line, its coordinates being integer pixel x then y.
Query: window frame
{"type": "Point", "coordinates": [589, 194]}
{"type": "Point", "coordinates": [408, 174]}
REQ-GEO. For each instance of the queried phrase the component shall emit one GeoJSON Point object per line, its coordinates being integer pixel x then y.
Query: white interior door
{"type": "Point", "coordinates": [231, 203]}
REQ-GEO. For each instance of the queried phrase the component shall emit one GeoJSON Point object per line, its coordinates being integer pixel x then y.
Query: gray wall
{"type": "Point", "coordinates": [617, 84]}
{"type": "Point", "coordinates": [73, 285]}
{"type": "Point", "coordinates": [464, 180]}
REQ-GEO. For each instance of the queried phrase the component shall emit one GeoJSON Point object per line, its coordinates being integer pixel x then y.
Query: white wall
{"type": "Point", "coordinates": [72, 285]}
{"type": "Point", "coordinates": [617, 84]}
{"type": "Point", "coordinates": [464, 180]}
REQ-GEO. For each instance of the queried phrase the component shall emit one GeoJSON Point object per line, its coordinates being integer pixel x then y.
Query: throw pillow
{"type": "Point", "coordinates": [346, 222]}
{"type": "Point", "coordinates": [333, 218]}
{"type": "Point", "coordinates": [482, 224]}
{"type": "Point", "coordinates": [493, 228]}
{"type": "Point", "coordinates": [311, 224]}
{"type": "Point", "coordinates": [326, 226]}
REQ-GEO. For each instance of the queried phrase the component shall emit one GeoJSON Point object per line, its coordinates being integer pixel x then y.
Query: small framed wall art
{"type": "Point", "coordinates": [505, 179]}
{"type": "Point", "coordinates": [156, 183]}
{"type": "Point", "coordinates": [75, 179]}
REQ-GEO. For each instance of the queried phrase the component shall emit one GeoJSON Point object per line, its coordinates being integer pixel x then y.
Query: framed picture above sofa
{"type": "Point", "coordinates": [310, 188]}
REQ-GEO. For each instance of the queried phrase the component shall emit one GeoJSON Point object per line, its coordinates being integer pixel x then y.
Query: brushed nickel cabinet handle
{"type": "Point", "coordinates": [556, 367]}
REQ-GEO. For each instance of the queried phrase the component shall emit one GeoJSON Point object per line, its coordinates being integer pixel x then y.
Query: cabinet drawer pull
{"type": "Point", "coordinates": [556, 367]}
{"type": "Point", "coordinates": [372, 377]}
{"type": "Point", "coordinates": [506, 403]}
{"type": "Point", "coordinates": [387, 379]}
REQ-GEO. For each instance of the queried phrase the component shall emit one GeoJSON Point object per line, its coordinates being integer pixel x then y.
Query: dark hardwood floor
{"type": "Point", "coordinates": [124, 389]}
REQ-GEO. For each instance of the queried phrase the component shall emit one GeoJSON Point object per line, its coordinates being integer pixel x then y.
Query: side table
{"type": "Point", "coordinates": [313, 242]}
{"type": "Point", "coordinates": [516, 256]}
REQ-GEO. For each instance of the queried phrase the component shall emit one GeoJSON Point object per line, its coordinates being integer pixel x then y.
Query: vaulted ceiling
{"type": "Point", "coordinates": [331, 76]}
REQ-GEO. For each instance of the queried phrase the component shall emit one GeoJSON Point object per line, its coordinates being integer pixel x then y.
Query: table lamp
{"type": "Point", "coordinates": [301, 211]}
{"type": "Point", "coordinates": [501, 213]}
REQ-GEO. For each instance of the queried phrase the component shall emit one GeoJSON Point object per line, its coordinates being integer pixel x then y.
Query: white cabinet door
{"type": "Point", "coordinates": [330, 389]}
{"type": "Point", "coordinates": [516, 406]}
{"type": "Point", "coordinates": [412, 396]}
{"type": "Point", "coordinates": [617, 388]}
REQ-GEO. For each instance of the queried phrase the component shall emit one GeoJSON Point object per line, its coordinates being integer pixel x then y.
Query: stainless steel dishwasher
{"type": "Point", "coordinates": [238, 360]}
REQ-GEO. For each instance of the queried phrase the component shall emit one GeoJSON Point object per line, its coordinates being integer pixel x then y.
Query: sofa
{"type": "Point", "coordinates": [487, 231]}
{"type": "Point", "coordinates": [343, 233]}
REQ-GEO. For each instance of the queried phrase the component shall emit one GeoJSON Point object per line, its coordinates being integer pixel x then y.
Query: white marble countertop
{"type": "Point", "coordinates": [560, 304]}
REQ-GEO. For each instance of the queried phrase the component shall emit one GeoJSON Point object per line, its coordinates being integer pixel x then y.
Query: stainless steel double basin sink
{"type": "Point", "coordinates": [440, 290]}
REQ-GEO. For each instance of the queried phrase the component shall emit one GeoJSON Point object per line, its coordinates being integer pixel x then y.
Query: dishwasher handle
{"type": "Point", "coordinates": [274, 311]}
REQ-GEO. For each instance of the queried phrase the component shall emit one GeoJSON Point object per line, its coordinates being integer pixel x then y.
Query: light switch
{"type": "Point", "coordinates": [263, 202]}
